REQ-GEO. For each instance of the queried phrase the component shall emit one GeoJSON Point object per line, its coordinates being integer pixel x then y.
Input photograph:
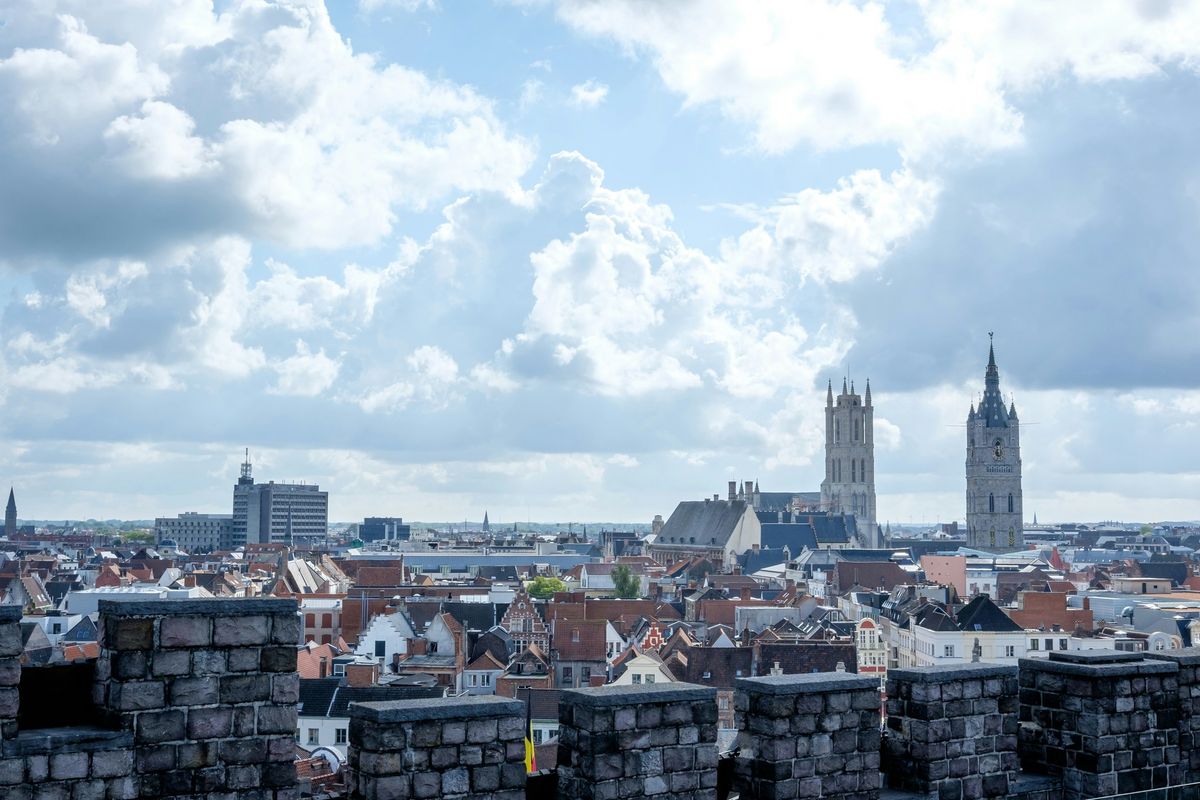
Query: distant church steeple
{"type": "Point", "coordinates": [487, 527]}
{"type": "Point", "coordinates": [10, 516]}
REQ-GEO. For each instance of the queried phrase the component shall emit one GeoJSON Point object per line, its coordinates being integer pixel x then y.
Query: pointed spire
{"type": "Point", "coordinates": [829, 394]}
{"type": "Point", "coordinates": [1012, 410]}
{"type": "Point", "coordinates": [867, 396]}
{"type": "Point", "coordinates": [844, 385]}
{"type": "Point", "coordinates": [991, 351]}
{"type": "Point", "coordinates": [851, 387]}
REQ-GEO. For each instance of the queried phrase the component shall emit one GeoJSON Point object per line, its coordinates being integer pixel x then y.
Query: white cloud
{"type": "Point", "coordinates": [835, 75]}
{"type": "Point", "coordinates": [306, 374]}
{"type": "Point", "coordinates": [314, 145]}
{"type": "Point", "coordinates": [588, 94]}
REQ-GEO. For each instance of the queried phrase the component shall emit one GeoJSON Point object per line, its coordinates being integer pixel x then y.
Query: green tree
{"type": "Point", "coordinates": [626, 584]}
{"type": "Point", "coordinates": [544, 588]}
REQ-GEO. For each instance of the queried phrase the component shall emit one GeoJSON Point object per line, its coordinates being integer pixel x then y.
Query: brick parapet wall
{"type": "Point", "coordinates": [952, 731]}
{"type": "Point", "coordinates": [208, 688]}
{"type": "Point", "coordinates": [655, 740]}
{"type": "Point", "coordinates": [465, 748]}
{"type": "Point", "coordinates": [814, 735]}
{"type": "Point", "coordinates": [1106, 722]}
{"type": "Point", "coordinates": [1188, 681]}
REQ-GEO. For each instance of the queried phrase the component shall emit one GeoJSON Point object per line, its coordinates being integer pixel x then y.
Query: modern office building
{"type": "Point", "coordinates": [194, 532]}
{"type": "Point", "coordinates": [391, 529]}
{"type": "Point", "coordinates": [272, 512]}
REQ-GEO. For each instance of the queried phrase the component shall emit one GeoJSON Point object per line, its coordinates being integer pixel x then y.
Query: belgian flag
{"type": "Point", "coordinates": [530, 754]}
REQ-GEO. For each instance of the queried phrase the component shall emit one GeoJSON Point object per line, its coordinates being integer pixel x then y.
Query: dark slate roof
{"type": "Point", "coordinates": [924, 547]}
{"type": "Point", "coordinates": [329, 697]}
{"type": "Point", "coordinates": [797, 658]}
{"type": "Point", "coordinates": [1177, 571]}
{"type": "Point", "coordinates": [83, 631]}
{"type": "Point", "coordinates": [796, 536]}
{"type": "Point", "coordinates": [752, 561]}
{"type": "Point", "coordinates": [707, 521]}
{"type": "Point", "coordinates": [475, 616]}
{"type": "Point", "coordinates": [724, 665]}
{"type": "Point", "coordinates": [780, 501]}
{"type": "Point", "coordinates": [935, 618]}
{"type": "Point", "coordinates": [981, 614]}
{"type": "Point", "coordinates": [991, 407]}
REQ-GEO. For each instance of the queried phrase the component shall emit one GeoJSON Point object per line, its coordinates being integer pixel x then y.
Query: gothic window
{"type": "Point", "coordinates": [837, 430]}
{"type": "Point", "coordinates": [857, 429]}
{"type": "Point", "coordinates": [1010, 503]}
{"type": "Point", "coordinates": [853, 470]}
{"type": "Point", "coordinates": [991, 503]}
{"type": "Point", "coordinates": [992, 537]}
{"type": "Point", "coordinates": [1012, 538]}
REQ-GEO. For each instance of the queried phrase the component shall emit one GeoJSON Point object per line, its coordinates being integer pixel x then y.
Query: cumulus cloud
{"type": "Point", "coordinates": [588, 94]}
{"type": "Point", "coordinates": [835, 75]}
{"type": "Point", "coordinates": [261, 122]}
{"type": "Point", "coordinates": [305, 374]}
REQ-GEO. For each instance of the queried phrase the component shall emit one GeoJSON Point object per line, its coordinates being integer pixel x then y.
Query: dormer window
{"type": "Point", "coordinates": [575, 635]}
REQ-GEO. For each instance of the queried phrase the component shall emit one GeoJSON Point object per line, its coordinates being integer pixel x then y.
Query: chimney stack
{"type": "Point", "coordinates": [733, 490]}
{"type": "Point", "coordinates": [362, 674]}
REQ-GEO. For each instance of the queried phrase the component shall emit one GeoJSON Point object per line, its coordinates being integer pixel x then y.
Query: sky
{"type": "Point", "coordinates": [573, 260]}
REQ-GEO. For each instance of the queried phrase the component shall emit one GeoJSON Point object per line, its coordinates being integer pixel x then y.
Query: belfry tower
{"type": "Point", "coordinates": [994, 520]}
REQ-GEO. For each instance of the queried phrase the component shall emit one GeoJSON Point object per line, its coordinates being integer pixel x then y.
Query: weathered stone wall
{"type": "Point", "coordinates": [1106, 722]}
{"type": "Point", "coordinates": [952, 731]}
{"type": "Point", "coordinates": [465, 748]}
{"type": "Point", "coordinates": [10, 669]}
{"type": "Point", "coordinates": [199, 698]}
{"type": "Point", "coordinates": [1188, 678]}
{"type": "Point", "coordinates": [209, 690]}
{"type": "Point", "coordinates": [813, 735]}
{"type": "Point", "coordinates": [655, 740]}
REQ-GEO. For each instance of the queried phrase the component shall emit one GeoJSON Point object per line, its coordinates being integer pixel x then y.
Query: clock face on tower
{"type": "Point", "coordinates": [998, 449]}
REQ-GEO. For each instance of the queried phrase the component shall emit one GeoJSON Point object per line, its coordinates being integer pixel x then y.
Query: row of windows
{"type": "Point", "coordinates": [858, 470]}
{"type": "Point", "coordinates": [992, 503]}
{"type": "Point", "coordinates": [856, 431]}
{"type": "Point", "coordinates": [1033, 644]}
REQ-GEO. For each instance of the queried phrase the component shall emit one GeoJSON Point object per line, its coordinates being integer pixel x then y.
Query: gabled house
{"type": "Point", "coordinates": [386, 637]}
{"type": "Point", "coordinates": [480, 675]}
{"type": "Point", "coordinates": [530, 669]}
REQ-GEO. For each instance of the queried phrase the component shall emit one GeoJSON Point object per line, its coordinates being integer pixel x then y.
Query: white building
{"type": "Point", "coordinates": [385, 638]}
{"type": "Point", "coordinates": [979, 632]}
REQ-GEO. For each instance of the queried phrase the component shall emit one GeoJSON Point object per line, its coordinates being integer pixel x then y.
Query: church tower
{"type": "Point", "coordinates": [10, 516]}
{"type": "Point", "coordinates": [849, 485]}
{"type": "Point", "coordinates": [994, 520]}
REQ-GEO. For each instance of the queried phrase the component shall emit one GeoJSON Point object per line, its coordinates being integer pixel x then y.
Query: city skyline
{"type": "Point", "coordinates": [604, 262]}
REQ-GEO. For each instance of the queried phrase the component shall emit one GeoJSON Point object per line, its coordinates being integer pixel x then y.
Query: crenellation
{"type": "Point", "coordinates": [634, 741]}
{"type": "Point", "coordinates": [814, 735]}
{"type": "Point", "coordinates": [468, 748]}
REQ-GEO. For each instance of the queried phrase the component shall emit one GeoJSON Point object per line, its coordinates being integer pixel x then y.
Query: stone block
{"type": "Point", "coordinates": [241, 630]}
{"type": "Point", "coordinates": [237, 688]}
{"type": "Point", "coordinates": [276, 719]}
{"type": "Point", "coordinates": [166, 663]}
{"type": "Point", "coordinates": [209, 723]}
{"type": "Point", "coordinates": [278, 659]}
{"type": "Point", "coordinates": [194, 691]}
{"type": "Point", "coordinates": [285, 689]}
{"type": "Point", "coordinates": [135, 633]}
{"type": "Point", "coordinates": [136, 695]}
{"type": "Point", "coordinates": [155, 727]}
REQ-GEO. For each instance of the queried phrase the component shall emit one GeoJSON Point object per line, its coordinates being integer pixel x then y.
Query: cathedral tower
{"type": "Point", "coordinates": [994, 519]}
{"type": "Point", "coordinates": [849, 485]}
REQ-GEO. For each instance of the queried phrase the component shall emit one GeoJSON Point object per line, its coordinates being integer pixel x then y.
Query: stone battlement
{"type": "Point", "coordinates": [197, 700]}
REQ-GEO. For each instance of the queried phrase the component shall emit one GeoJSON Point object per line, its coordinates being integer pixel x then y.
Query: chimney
{"type": "Point", "coordinates": [716, 497]}
{"type": "Point", "coordinates": [418, 647]}
{"type": "Point", "coordinates": [745, 593]}
{"type": "Point", "coordinates": [733, 490]}
{"type": "Point", "coordinates": [361, 675]}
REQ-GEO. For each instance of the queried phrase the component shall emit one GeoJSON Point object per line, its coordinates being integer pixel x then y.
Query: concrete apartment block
{"type": "Point", "coordinates": [638, 741]}
{"type": "Point", "coordinates": [465, 748]}
{"type": "Point", "coordinates": [814, 735]}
